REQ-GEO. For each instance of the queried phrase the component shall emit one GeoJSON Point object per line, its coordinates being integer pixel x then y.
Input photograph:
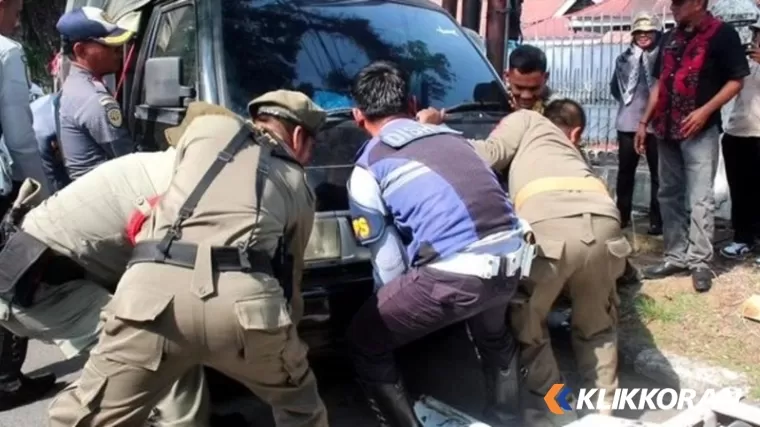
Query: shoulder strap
{"type": "Point", "coordinates": [57, 115]}
{"type": "Point", "coordinates": [222, 159]}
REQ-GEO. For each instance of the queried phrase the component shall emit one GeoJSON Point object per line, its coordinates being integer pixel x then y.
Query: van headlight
{"type": "Point", "coordinates": [324, 242]}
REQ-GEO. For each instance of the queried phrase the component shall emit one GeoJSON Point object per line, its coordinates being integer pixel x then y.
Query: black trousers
{"type": "Point", "coordinates": [628, 161]}
{"type": "Point", "coordinates": [742, 159]}
{"type": "Point", "coordinates": [12, 348]}
{"type": "Point", "coordinates": [424, 300]}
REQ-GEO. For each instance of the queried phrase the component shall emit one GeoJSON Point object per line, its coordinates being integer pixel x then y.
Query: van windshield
{"type": "Point", "coordinates": [318, 46]}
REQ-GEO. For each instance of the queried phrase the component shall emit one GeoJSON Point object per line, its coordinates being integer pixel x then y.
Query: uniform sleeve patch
{"type": "Point", "coordinates": [368, 224]}
{"type": "Point", "coordinates": [362, 229]}
{"type": "Point", "coordinates": [112, 110]}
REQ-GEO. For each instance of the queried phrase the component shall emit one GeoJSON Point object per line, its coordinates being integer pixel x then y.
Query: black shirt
{"type": "Point", "coordinates": [725, 60]}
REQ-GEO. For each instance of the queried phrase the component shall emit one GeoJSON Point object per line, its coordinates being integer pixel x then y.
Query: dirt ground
{"type": "Point", "coordinates": [706, 327]}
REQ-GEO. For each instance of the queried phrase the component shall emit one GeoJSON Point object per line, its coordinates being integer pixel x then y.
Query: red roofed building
{"type": "Point", "coordinates": [626, 8]}
{"type": "Point", "coordinates": [562, 19]}
{"type": "Point", "coordinates": [553, 28]}
{"type": "Point", "coordinates": [534, 12]}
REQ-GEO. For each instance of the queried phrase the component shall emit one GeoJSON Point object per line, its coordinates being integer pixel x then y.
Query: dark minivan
{"type": "Point", "coordinates": [230, 51]}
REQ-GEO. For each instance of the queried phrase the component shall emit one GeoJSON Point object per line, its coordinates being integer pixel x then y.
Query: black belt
{"type": "Point", "coordinates": [223, 258]}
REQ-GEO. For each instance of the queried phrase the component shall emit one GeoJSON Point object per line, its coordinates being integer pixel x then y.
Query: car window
{"type": "Point", "coordinates": [318, 47]}
{"type": "Point", "coordinates": [176, 37]}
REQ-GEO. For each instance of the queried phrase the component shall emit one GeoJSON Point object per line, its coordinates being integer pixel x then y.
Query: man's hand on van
{"type": "Point", "coordinates": [431, 116]}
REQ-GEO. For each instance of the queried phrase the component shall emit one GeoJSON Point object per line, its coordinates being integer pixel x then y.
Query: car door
{"type": "Point", "coordinates": [171, 32]}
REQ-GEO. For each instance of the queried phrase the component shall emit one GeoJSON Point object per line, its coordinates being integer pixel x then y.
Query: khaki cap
{"type": "Point", "coordinates": [755, 26]}
{"type": "Point", "coordinates": [644, 22]}
{"type": "Point", "coordinates": [290, 105]}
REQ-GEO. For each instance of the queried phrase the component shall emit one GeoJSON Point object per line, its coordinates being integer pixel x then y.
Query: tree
{"type": "Point", "coordinates": [39, 36]}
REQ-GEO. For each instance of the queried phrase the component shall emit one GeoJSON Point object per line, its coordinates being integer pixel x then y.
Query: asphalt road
{"type": "Point", "coordinates": [453, 379]}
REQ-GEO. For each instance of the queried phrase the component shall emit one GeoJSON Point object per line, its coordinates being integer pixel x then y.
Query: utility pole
{"type": "Point", "coordinates": [471, 14]}
{"type": "Point", "coordinates": [496, 35]}
{"type": "Point", "coordinates": [451, 7]}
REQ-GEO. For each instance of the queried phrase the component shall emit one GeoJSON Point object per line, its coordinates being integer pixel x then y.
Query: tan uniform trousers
{"type": "Point", "coordinates": [157, 329]}
{"type": "Point", "coordinates": [581, 256]}
{"type": "Point", "coordinates": [68, 316]}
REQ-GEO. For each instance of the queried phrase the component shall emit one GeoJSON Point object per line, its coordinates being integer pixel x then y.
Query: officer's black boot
{"type": "Point", "coordinates": [17, 389]}
{"type": "Point", "coordinates": [391, 404]}
{"type": "Point", "coordinates": [503, 394]}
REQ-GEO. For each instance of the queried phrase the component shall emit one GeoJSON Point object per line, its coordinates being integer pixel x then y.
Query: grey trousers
{"type": "Point", "coordinates": [69, 316]}
{"type": "Point", "coordinates": [687, 173]}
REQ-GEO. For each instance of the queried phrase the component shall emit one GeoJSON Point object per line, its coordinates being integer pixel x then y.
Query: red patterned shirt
{"type": "Point", "coordinates": [693, 66]}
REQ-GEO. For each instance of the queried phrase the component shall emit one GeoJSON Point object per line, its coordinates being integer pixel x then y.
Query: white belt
{"type": "Point", "coordinates": [487, 266]}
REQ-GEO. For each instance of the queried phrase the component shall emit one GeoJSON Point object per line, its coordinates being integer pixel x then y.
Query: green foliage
{"type": "Point", "coordinates": [37, 59]}
{"type": "Point", "coordinates": [39, 36]}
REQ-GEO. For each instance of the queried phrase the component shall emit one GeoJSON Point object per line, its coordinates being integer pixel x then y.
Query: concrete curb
{"type": "Point", "coordinates": [676, 371]}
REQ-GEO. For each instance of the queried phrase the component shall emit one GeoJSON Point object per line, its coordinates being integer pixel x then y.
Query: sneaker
{"type": "Point", "coordinates": [736, 250]}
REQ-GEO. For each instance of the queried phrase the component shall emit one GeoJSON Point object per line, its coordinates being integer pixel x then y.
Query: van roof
{"type": "Point", "coordinates": [120, 8]}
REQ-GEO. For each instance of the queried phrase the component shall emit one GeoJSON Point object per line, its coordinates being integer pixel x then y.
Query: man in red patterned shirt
{"type": "Point", "coordinates": [701, 66]}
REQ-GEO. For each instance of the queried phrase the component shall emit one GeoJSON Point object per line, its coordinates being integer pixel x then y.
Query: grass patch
{"type": "Point", "coordinates": [671, 316]}
{"type": "Point", "coordinates": [667, 311]}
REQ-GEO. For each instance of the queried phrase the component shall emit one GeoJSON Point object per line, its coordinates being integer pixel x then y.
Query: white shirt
{"type": "Point", "coordinates": [744, 119]}
{"type": "Point", "coordinates": [16, 117]}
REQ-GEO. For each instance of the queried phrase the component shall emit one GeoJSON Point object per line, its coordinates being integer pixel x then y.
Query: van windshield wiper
{"type": "Point", "coordinates": [339, 115]}
{"type": "Point", "coordinates": [341, 112]}
{"type": "Point", "coordinates": [479, 106]}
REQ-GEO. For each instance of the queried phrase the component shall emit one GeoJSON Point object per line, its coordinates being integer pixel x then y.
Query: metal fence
{"type": "Point", "coordinates": [581, 53]}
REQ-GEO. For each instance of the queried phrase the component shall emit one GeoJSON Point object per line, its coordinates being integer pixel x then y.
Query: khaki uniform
{"type": "Point", "coordinates": [85, 221]}
{"type": "Point", "coordinates": [166, 318]}
{"type": "Point", "coordinates": [582, 250]}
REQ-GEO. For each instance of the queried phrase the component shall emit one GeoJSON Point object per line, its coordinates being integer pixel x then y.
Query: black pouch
{"type": "Point", "coordinates": [282, 266]}
{"type": "Point", "coordinates": [19, 267]}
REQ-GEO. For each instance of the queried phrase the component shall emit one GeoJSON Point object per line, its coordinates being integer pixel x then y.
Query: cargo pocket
{"type": "Point", "coordinates": [620, 249]}
{"type": "Point", "coordinates": [80, 399]}
{"type": "Point", "coordinates": [549, 253]}
{"type": "Point", "coordinates": [551, 249]}
{"type": "Point", "coordinates": [129, 331]}
{"type": "Point", "coordinates": [269, 338]}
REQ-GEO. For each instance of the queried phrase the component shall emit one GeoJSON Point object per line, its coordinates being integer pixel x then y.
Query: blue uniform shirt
{"type": "Point", "coordinates": [92, 125]}
{"type": "Point", "coordinates": [423, 188]}
{"type": "Point", "coordinates": [43, 110]}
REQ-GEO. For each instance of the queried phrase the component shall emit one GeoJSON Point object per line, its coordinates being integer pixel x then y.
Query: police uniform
{"type": "Point", "coordinates": [582, 252]}
{"type": "Point", "coordinates": [453, 224]}
{"type": "Point", "coordinates": [203, 283]}
{"type": "Point", "coordinates": [92, 127]}
{"type": "Point", "coordinates": [85, 222]}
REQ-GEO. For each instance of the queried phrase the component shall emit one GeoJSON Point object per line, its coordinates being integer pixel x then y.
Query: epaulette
{"type": "Point", "coordinates": [99, 86]}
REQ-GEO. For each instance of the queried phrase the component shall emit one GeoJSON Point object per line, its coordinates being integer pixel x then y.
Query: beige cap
{"type": "Point", "coordinates": [290, 105]}
{"type": "Point", "coordinates": [644, 22]}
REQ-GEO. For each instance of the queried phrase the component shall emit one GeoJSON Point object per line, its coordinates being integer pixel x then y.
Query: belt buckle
{"type": "Point", "coordinates": [494, 267]}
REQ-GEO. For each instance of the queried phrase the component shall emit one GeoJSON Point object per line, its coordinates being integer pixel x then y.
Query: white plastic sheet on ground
{"type": "Point", "coordinates": [434, 413]}
{"type": "Point", "coordinates": [721, 193]}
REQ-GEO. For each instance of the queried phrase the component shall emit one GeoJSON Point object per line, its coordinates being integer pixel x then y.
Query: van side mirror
{"type": "Point", "coordinates": [163, 83]}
